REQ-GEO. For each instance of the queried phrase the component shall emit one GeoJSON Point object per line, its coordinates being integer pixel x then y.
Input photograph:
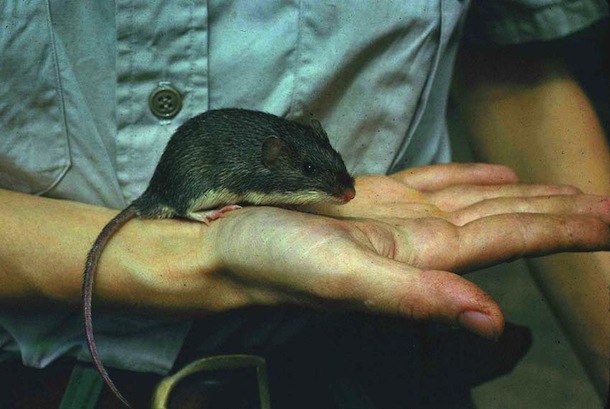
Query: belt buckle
{"type": "Point", "coordinates": [216, 367]}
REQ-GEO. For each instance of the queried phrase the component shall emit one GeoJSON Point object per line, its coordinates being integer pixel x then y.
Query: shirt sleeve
{"type": "Point", "coordinates": [520, 21]}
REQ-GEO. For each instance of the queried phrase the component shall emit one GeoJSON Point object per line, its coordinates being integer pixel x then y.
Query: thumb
{"type": "Point", "coordinates": [390, 287]}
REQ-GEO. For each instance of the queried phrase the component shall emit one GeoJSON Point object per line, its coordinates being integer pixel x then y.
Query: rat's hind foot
{"type": "Point", "coordinates": [206, 216]}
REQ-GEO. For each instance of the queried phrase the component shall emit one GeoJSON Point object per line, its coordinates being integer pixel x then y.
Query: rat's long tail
{"type": "Point", "coordinates": [88, 277]}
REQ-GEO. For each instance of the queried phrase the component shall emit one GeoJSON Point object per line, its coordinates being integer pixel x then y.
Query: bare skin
{"type": "Point", "coordinates": [545, 128]}
{"type": "Point", "coordinates": [395, 257]}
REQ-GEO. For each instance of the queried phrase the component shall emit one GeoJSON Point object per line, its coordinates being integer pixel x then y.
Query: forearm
{"type": "Point", "coordinates": [44, 243]}
{"type": "Point", "coordinates": [544, 125]}
{"type": "Point", "coordinates": [545, 128]}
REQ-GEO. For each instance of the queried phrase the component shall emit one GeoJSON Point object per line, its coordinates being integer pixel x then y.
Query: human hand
{"type": "Point", "coordinates": [477, 201]}
{"type": "Point", "coordinates": [396, 247]}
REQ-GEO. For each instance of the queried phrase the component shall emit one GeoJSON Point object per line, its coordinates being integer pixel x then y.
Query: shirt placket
{"type": "Point", "coordinates": [162, 67]}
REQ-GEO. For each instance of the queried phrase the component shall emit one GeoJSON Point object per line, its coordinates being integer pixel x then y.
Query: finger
{"type": "Point", "coordinates": [506, 237]}
{"type": "Point", "coordinates": [586, 205]}
{"type": "Point", "coordinates": [434, 177]}
{"type": "Point", "coordinates": [459, 197]}
{"type": "Point", "coordinates": [391, 288]}
{"type": "Point", "coordinates": [384, 286]}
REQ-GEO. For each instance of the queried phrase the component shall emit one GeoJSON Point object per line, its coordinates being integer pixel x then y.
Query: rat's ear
{"type": "Point", "coordinates": [317, 128]}
{"type": "Point", "coordinates": [273, 148]}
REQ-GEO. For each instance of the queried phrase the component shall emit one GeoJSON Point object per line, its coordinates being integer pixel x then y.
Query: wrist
{"type": "Point", "coordinates": [156, 266]}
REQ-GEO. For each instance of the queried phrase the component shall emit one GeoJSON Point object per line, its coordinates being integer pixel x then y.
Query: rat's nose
{"type": "Point", "coordinates": [345, 187]}
{"type": "Point", "coordinates": [349, 195]}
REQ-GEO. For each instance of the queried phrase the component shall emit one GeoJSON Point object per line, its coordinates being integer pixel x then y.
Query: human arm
{"type": "Point", "coordinates": [522, 108]}
{"type": "Point", "coordinates": [392, 265]}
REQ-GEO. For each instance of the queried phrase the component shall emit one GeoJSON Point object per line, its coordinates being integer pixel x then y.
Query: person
{"type": "Point", "coordinates": [100, 90]}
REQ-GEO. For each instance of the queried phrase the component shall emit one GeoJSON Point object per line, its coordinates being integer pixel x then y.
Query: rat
{"type": "Point", "coordinates": [218, 160]}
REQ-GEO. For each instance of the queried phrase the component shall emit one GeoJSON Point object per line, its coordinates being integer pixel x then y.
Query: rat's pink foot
{"type": "Point", "coordinates": [206, 216]}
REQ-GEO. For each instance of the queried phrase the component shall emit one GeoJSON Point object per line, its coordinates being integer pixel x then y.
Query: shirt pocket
{"type": "Point", "coordinates": [34, 145]}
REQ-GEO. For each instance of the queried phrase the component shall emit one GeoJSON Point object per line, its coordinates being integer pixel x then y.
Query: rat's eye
{"type": "Point", "coordinates": [308, 169]}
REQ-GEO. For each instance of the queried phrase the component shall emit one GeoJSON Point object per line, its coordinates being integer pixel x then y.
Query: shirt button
{"type": "Point", "coordinates": [165, 102]}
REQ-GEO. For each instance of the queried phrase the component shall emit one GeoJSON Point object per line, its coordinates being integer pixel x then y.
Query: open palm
{"type": "Point", "coordinates": [395, 249]}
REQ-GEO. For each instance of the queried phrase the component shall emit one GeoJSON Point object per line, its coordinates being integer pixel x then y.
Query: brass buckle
{"type": "Point", "coordinates": [215, 363]}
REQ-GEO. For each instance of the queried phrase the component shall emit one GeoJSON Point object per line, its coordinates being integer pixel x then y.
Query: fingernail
{"type": "Point", "coordinates": [478, 323]}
